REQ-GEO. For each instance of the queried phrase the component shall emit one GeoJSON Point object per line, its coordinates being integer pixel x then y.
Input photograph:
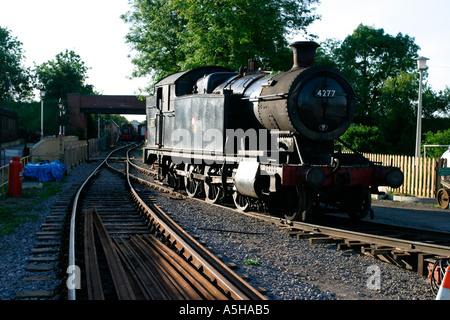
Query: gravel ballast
{"type": "Point", "coordinates": [15, 249]}
{"type": "Point", "coordinates": [286, 267]}
{"type": "Point", "coordinates": [290, 268]}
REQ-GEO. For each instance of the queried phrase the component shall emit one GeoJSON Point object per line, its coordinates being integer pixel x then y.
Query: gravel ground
{"type": "Point", "coordinates": [292, 269]}
{"type": "Point", "coordinates": [15, 248]}
{"type": "Point", "coordinates": [288, 268]}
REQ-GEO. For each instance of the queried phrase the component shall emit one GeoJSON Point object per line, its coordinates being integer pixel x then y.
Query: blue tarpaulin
{"type": "Point", "coordinates": [45, 171]}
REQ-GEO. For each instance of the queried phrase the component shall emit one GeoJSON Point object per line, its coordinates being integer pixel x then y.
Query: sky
{"type": "Point", "coordinates": [94, 30]}
{"type": "Point", "coordinates": [426, 21]}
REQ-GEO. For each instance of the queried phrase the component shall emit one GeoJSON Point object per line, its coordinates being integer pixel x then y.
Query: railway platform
{"type": "Point", "coordinates": [411, 214]}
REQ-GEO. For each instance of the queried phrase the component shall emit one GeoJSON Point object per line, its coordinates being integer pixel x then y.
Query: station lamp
{"type": "Point", "coordinates": [421, 65]}
{"type": "Point", "coordinates": [42, 94]}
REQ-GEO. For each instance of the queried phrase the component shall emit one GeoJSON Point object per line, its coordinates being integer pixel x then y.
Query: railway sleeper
{"type": "Point", "coordinates": [325, 240]}
{"type": "Point", "coordinates": [351, 245]}
{"type": "Point", "coordinates": [121, 282]}
{"type": "Point", "coordinates": [404, 259]}
{"type": "Point", "coordinates": [36, 294]}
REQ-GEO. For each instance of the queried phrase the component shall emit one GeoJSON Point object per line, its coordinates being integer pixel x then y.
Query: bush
{"type": "Point", "coordinates": [436, 138]}
{"type": "Point", "coordinates": [365, 139]}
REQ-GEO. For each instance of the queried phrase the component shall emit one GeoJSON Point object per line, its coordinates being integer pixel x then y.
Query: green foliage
{"type": "Point", "coordinates": [437, 138]}
{"type": "Point", "coordinates": [368, 57]}
{"type": "Point", "coordinates": [252, 262]}
{"type": "Point", "coordinates": [397, 113]}
{"type": "Point", "coordinates": [30, 115]}
{"type": "Point", "coordinates": [15, 80]}
{"type": "Point", "coordinates": [65, 74]}
{"type": "Point", "coordinates": [382, 69]}
{"type": "Point", "coordinates": [436, 104]}
{"type": "Point", "coordinates": [170, 36]}
{"type": "Point", "coordinates": [365, 139]}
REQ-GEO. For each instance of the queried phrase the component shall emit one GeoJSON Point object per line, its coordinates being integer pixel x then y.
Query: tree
{"type": "Point", "coordinates": [397, 111]}
{"type": "Point", "coordinates": [436, 104]}
{"type": "Point", "coordinates": [368, 139]}
{"type": "Point", "coordinates": [383, 72]}
{"type": "Point", "coordinates": [65, 74]}
{"type": "Point", "coordinates": [171, 36]}
{"type": "Point", "coordinates": [155, 35]}
{"type": "Point", "coordinates": [367, 58]}
{"type": "Point", "coordinates": [437, 138]}
{"type": "Point", "coordinates": [15, 79]}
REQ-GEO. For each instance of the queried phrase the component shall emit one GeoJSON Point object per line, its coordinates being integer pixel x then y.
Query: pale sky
{"type": "Point", "coordinates": [94, 30]}
{"type": "Point", "coordinates": [426, 21]}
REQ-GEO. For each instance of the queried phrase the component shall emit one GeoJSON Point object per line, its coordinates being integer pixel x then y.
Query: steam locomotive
{"type": "Point", "coordinates": [266, 141]}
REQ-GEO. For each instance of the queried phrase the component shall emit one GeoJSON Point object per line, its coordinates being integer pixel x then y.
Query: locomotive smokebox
{"type": "Point", "coordinates": [304, 53]}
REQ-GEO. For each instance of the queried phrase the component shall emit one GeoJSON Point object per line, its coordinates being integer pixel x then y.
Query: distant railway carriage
{"type": "Point", "coordinates": [9, 122]}
{"type": "Point", "coordinates": [129, 132]}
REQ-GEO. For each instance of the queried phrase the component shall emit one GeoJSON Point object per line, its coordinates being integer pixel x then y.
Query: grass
{"type": "Point", "coordinates": [17, 210]}
{"type": "Point", "coordinates": [251, 261]}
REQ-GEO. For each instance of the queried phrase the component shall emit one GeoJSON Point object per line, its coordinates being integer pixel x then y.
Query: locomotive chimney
{"type": "Point", "coordinates": [304, 53]}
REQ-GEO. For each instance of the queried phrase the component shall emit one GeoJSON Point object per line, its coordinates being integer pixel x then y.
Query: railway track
{"type": "Point", "coordinates": [409, 248]}
{"type": "Point", "coordinates": [413, 249]}
{"type": "Point", "coordinates": [128, 248]}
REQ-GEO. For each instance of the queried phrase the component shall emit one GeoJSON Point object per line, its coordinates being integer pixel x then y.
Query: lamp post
{"type": "Point", "coordinates": [61, 107]}
{"type": "Point", "coordinates": [42, 93]}
{"type": "Point", "coordinates": [421, 65]}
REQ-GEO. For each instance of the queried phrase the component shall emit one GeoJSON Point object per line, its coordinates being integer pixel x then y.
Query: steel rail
{"type": "Point", "coordinates": [423, 248]}
{"type": "Point", "coordinates": [185, 245]}
{"type": "Point", "coordinates": [401, 244]}
{"type": "Point", "coordinates": [207, 263]}
{"type": "Point", "coordinates": [199, 256]}
{"type": "Point", "coordinates": [71, 294]}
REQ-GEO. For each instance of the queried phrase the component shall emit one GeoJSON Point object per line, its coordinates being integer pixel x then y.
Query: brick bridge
{"type": "Point", "coordinates": [82, 105]}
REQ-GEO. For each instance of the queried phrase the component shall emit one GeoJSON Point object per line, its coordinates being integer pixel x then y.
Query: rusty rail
{"type": "Point", "coordinates": [142, 267]}
{"type": "Point", "coordinates": [226, 279]}
{"type": "Point", "coordinates": [72, 229]}
{"type": "Point", "coordinates": [121, 282]}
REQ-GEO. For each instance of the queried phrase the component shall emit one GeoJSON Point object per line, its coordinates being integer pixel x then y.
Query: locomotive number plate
{"type": "Point", "coordinates": [324, 93]}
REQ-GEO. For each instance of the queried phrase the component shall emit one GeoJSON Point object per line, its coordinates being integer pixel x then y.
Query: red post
{"type": "Point", "coordinates": [15, 177]}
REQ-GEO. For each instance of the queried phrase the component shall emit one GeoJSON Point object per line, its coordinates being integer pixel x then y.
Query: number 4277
{"type": "Point", "coordinates": [324, 93]}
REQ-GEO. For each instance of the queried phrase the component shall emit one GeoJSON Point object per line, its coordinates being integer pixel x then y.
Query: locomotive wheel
{"type": "Point", "coordinates": [358, 203]}
{"type": "Point", "coordinates": [172, 179]}
{"type": "Point", "coordinates": [193, 186]}
{"type": "Point", "coordinates": [296, 204]}
{"type": "Point", "coordinates": [213, 191]}
{"type": "Point", "coordinates": [241, 202]}
{"type": "Point", "coordinates": [443, 198]}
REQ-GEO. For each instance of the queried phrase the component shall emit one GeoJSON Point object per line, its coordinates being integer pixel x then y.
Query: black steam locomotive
{"type": "Point", "coordinates": [266, 140]}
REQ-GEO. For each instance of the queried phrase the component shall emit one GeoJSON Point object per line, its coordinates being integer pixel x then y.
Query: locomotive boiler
{"type": "Point", "coordinates": [266, 141]}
